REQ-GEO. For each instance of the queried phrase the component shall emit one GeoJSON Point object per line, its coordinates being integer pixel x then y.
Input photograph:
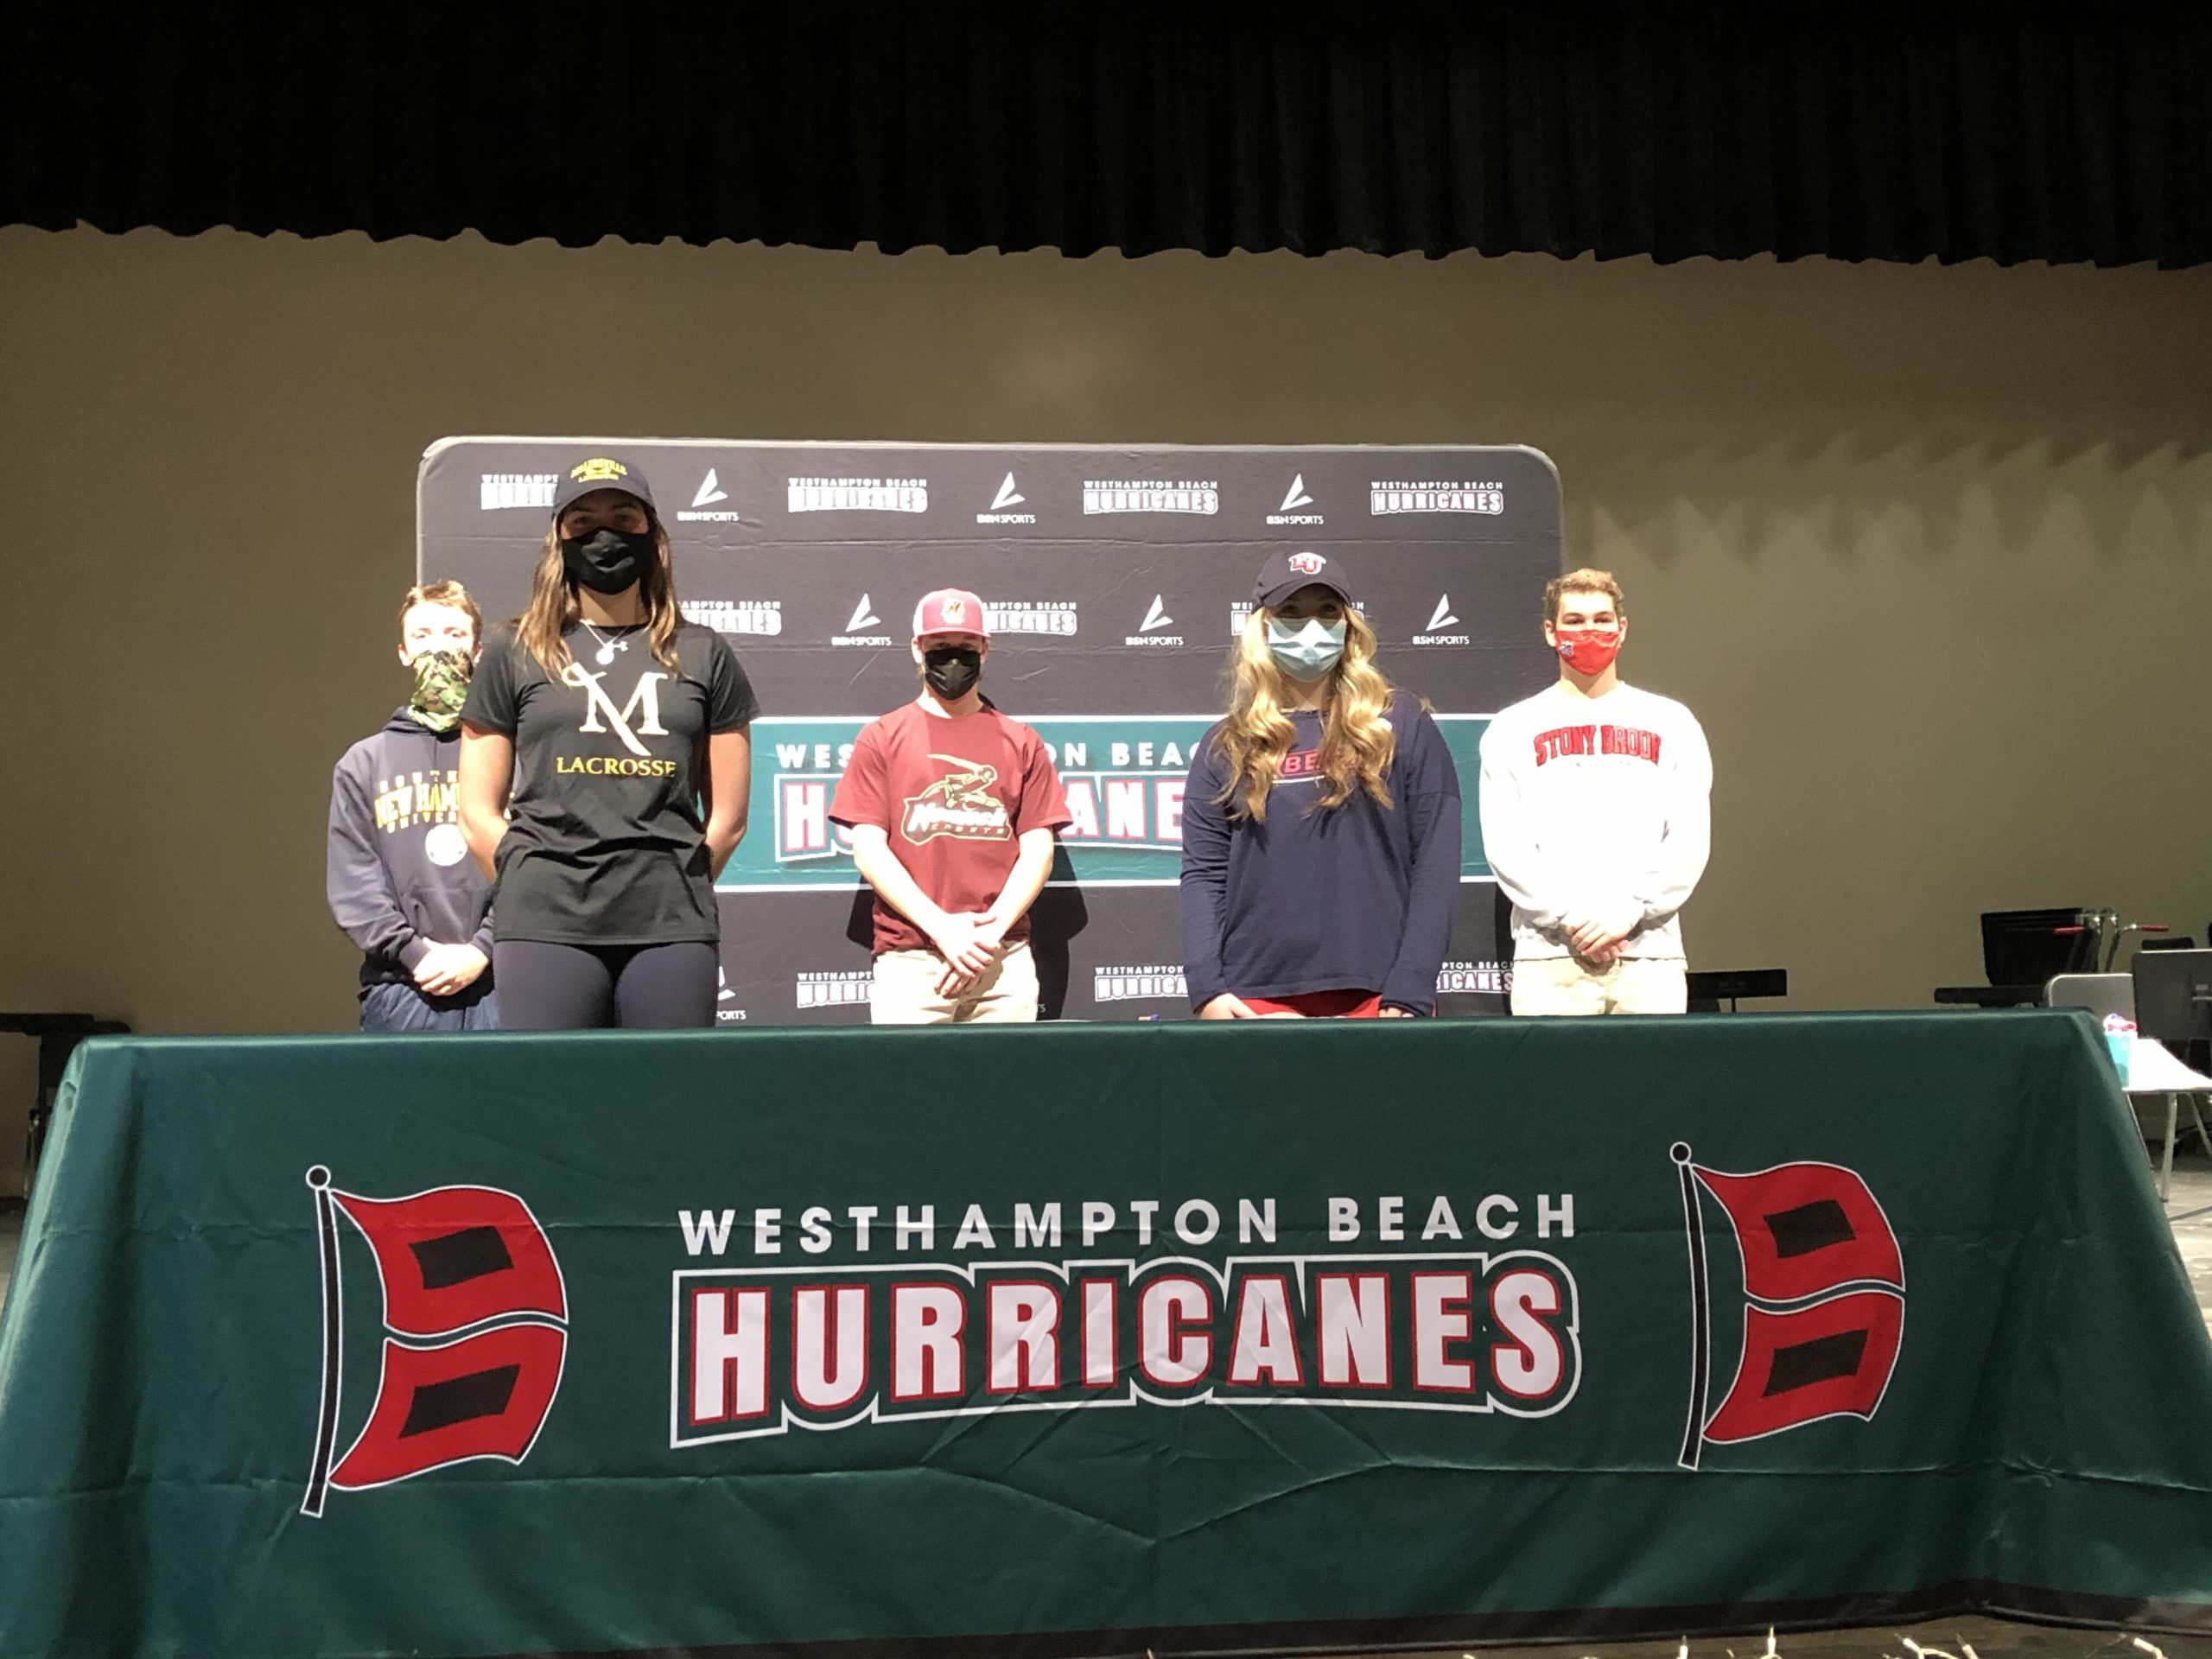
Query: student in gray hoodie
{"type": "Point", "coordinates": [400, 878]}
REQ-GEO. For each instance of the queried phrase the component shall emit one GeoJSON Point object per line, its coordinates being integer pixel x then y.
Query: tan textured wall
{"type": "Point", "coordinates": [1929, 549]}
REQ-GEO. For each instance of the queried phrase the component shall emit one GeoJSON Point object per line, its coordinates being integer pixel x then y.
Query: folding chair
{"type": "Point", "coordinates": [2158, 1076]}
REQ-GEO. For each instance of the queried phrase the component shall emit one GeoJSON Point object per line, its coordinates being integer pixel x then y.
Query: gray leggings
{"type": "Point", "coordinates": [592, 986]}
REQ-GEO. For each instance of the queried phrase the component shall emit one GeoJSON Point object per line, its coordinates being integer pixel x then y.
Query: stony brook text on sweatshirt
{"type": "Point", "coordinates": [1590, 804]}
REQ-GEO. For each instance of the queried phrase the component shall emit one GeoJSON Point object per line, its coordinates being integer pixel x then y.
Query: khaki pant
{"type": "Point", "coordinates": [906, 991]}
{"type": "Point", "coordinates": [1556, 985]}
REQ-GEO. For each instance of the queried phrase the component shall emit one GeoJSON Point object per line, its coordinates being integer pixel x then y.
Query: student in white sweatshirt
{"type": "Point", "coordinates": [1596, 820]}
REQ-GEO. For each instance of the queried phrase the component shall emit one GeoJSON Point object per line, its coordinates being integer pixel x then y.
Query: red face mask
{"type": "Point", "coordinates": [1590, 653]}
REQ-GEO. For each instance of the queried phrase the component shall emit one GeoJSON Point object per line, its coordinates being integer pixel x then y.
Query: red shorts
{"type": "Point", "coordinates": [1322, 1005]}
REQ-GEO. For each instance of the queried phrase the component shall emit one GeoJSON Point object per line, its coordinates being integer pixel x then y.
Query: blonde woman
{"type": "Point", "coordinates": [1320, 822]}
{"type": "Point", "coordinates": [605, 759]}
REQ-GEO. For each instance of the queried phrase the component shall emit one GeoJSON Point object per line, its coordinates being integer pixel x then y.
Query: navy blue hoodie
{"type": "Point", "coordinates": [1356, 897]}
{"type": "Point", "coordinates": [400, 877]}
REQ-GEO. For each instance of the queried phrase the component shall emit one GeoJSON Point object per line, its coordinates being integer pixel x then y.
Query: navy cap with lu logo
{"type": "Point", "coordinates": [1284, 573]}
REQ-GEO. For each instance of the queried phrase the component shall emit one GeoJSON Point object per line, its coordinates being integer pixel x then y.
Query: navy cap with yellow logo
{"type": "Point", "coordinates": [600, 473]}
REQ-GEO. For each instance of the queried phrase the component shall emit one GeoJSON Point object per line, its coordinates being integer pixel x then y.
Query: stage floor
{"type": "Point", "coordinates": [1987, 1639]}
{"type": "Point", "coordinates": [2191, 1213]}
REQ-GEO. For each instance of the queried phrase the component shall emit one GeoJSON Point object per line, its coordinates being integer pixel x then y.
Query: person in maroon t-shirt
{"type": "Point", "coordinates": [952, 807]}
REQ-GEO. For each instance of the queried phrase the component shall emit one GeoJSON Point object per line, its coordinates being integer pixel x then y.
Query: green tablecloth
{"type": "Point", "coordinates": [1086, 1339]}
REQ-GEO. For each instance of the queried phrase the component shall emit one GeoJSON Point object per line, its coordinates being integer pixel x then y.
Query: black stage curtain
{"type": "Point", "coordinates": [1885, 132]}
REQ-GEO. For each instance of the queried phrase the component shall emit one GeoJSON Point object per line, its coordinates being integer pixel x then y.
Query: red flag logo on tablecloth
{"type": "Point", "coordinates": [1823, 1300]}
{"type": "Point", "coordinates": [475, 1319]}
{"type": "Point", "coordinates": [456, 1256]}
{"type": "Point", "coordinates": [1805, 1229]}
{"type": "Point", "coordinates": [1832, 1359]}
{"type": "Point", "coordinates": [484, 1396]}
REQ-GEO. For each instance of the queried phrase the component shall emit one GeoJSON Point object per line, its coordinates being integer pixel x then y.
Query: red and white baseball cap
{"type": "Point", "coordinates": [950, 610]}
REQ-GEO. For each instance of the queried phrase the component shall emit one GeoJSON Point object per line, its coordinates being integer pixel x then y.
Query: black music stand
{"type": "Point", "coordinates": [1707, 989]}
{"type": "Point", "coordinates": [2022, 951]}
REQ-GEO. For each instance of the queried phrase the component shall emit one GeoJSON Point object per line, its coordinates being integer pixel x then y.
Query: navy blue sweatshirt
{"type": "Point", "coordinates": [1356, 897]}
{"type": "Point", "coordinates": [399, 875]}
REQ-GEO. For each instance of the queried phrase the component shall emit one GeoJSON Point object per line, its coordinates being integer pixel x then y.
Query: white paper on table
{"type": "Point", "coordinates": [2152, 1069]}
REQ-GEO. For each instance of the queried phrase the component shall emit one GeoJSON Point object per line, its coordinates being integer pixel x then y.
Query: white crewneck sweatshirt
{"type": "Point", "coordinates": [1589, 802]}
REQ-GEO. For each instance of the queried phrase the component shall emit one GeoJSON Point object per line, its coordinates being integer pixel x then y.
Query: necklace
{"type": "Point", "coordinates": [609, 647]}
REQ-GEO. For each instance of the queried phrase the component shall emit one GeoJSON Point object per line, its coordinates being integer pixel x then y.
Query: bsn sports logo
{"type": "Point", "coordinates": [1823, 1308]}
{"type": "Point", "coordinates": [856, 494]}
{"type": "Point", "coordinates": [709, 492]}
{"type": "Point", "coordinates": [959, 804]}
{"type": "Point", "coordinates": [863, 628]}
{"type": "Point", "coordinates": [1000, 511]}
{"type": "Point", "coordinates": [475, 1334]}
{"type": "Point", "coordinates": [1201, 496]}
{"type": "Point", "coordinates": [1391, 495]}
{"type": "Point", "coordinates": [1293, 499]}
{"type": "Point", "coordinates": [724, 993]}
{"type": "Point", "coordinates": [499, 489]}
{"type": "Point", "coordinates": [760, 617]}
{"type": "Point", "coordinates": [1441, 619]}
{"type": "Point", "coordinates": [1153, 630]}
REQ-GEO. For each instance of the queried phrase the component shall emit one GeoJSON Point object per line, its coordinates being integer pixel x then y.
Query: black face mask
{"type": "Point", "coordinates": [951, 671]}
{"type": "Point", "coordinates": [607, 561]}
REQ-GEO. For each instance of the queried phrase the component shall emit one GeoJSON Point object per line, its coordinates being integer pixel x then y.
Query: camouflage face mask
{"type": "Point", "coordinates": [441, 688]}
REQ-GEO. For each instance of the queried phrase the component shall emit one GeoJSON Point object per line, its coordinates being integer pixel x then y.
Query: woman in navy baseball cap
{"type": "Point", "coordinates": [1320, 820]}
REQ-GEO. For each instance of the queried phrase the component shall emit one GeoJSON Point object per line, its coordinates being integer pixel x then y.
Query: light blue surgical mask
{"type": "Point", "coordinates": [1308, 650]}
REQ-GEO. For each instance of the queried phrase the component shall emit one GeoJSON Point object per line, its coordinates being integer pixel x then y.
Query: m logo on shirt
{"type": "Point", "coordinates": [596, 702]}
{"type": "Point", "coordinates": [959, 803]}
{"type": "Point", "coordinates": [1564, 741]}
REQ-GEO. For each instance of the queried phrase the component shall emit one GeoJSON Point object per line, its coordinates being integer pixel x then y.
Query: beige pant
{"type": "Point", "coordinates": [1553, 985]}
{"type": "Point", "coordinates": [906, 990]}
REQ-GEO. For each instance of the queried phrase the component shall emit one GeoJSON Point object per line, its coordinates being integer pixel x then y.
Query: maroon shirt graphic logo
{"type": "Point", "coordinates": [476, 1333]}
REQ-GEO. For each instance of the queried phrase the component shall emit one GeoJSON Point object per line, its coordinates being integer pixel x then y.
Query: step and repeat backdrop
{"type": "Point", "coordinates": [1115, 577]}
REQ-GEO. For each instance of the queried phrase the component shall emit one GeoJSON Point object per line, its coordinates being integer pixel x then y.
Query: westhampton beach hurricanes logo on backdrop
{"type": "Point", "coordinates": [1123, 775]}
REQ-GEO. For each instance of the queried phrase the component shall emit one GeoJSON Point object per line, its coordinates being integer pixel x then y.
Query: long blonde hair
{"type": "Point", "coordinates": [553, 609]}
{"type": "Point", "coordinates": [1356, 742]}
